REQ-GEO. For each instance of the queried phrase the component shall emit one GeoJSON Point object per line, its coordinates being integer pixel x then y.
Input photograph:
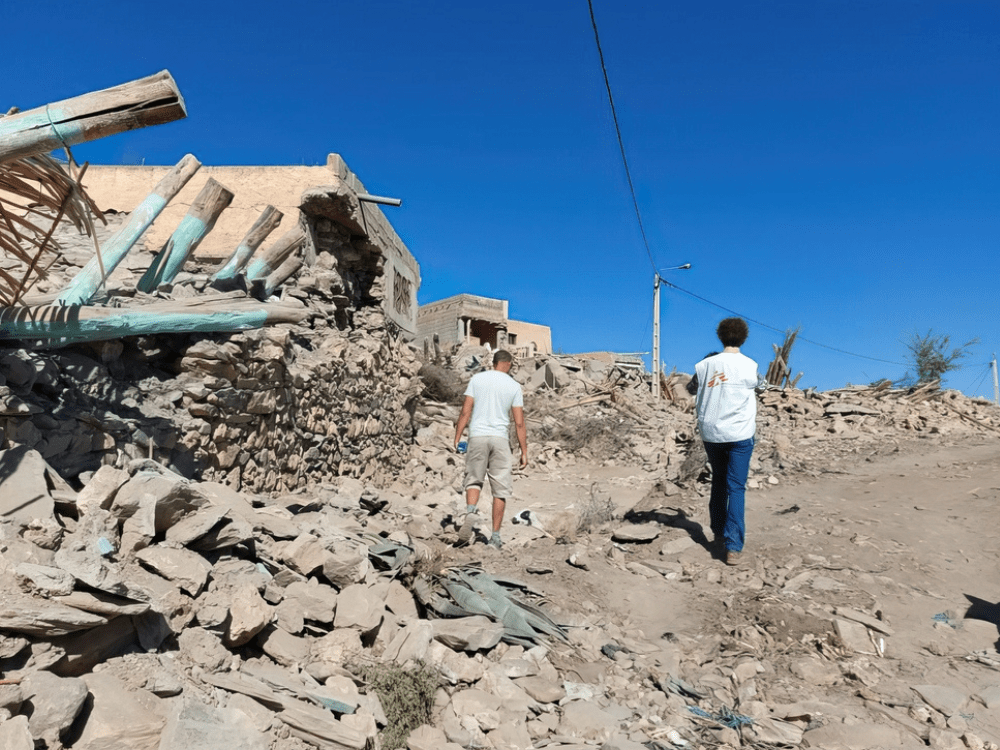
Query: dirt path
{"type": "Point", "coordinates": [911, 539]}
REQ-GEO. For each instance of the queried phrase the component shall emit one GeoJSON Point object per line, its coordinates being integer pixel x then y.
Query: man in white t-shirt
{"type": "Point", "coordinates": [491, 399]}
{"type": "Point", "coordinates": [727, 421]}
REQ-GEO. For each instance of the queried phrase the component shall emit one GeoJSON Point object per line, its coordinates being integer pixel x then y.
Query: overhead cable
{"type": "Point", "coordinates": [778, 330]}
{"type": "Point", "coordinates": [621, 143]}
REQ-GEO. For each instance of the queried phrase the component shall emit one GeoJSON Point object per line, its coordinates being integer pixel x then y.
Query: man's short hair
{"type": "Point", "coordinates": [502, 356]}
{"type": "Point", "coordinates": [733, 331]}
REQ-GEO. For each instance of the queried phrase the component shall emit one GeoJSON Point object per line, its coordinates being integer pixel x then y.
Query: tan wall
{"type": "Point", "coordinates": [122, 188]}
{"type": "Point", "coordinates": [526, 333]}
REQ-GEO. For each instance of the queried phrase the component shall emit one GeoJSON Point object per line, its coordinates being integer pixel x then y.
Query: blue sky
{"type": "Point", "coordinates": [832, 164]}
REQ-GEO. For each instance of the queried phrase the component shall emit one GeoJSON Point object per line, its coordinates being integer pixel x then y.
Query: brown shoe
{"type": "Point", "coordinates": [733, 557]}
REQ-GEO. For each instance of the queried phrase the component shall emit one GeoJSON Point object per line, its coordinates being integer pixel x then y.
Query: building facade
{"type": "Point", "coordinates": [483, 321]}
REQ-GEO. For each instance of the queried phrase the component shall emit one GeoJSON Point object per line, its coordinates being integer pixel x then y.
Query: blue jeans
{"type": "Point", "coordinates": [730, 467]}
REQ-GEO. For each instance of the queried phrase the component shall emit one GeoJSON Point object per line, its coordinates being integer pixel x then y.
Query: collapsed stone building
{"type": "Point", "coordinates": [270, 409]}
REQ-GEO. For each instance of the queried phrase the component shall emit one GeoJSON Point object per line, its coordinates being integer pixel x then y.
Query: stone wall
{"type": "Point", "coordinates": [269, 410]}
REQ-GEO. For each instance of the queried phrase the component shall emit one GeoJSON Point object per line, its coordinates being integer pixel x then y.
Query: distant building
{"type": "Point", "coordinates": [468, 319]}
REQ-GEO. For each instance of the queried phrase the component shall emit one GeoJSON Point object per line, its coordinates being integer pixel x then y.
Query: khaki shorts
{"type": "Point", "coordinates": [490, 457]}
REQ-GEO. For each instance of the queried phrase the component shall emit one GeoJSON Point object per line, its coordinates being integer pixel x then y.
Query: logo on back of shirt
{"type": "Point", "coordinates": [718, 379]}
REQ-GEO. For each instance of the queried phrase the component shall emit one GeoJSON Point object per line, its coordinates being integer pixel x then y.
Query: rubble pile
{"type": "Point", "coordinates": [596, 411]}
{"type": "Point", "coordinates": [268, 410]}
{"type": "Point", "coordinates": [147, 607]}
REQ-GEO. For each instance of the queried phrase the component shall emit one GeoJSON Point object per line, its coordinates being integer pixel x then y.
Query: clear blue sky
{"type": "Point", "coordinates": [834, 164]}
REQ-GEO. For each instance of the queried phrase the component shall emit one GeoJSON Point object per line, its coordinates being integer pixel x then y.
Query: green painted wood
{"type": "Point", "coordinates": [84, 285]}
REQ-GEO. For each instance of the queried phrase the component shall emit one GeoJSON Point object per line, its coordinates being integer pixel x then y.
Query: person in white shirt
{"type": "Point", "coordinates": [727, 421]}
{"type": "Point", "coordinates": [492, 398]}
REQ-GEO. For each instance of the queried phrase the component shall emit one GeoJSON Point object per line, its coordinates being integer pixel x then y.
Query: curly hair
{"type": "Point", "coordinates": [733, 331]}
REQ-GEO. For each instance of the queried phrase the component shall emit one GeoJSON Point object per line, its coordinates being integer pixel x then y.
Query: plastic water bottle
{"type": "Point", "coordinates": [463, 447]}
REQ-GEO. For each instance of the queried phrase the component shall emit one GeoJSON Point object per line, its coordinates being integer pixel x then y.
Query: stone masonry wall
{"type": "Point", "coordinates": [269, 410]}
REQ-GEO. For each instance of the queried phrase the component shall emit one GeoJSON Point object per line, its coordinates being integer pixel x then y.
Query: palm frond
{"type": "Point", "coordinates": [36, 193]}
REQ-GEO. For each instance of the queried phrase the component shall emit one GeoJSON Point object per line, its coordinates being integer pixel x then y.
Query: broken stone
{"type": "Point", "coordinates": [676, 546]}
{"type": "Point", "coordinates": [56, 702]}
{"type": "Point", "coordinates": [511, 736]}
{"type": "Point", "coordinates": [315, 602]}
{"type": "Point", "coordinates": [199, 646]}
{"type": "Point", "coordinates": [15, 735]}
{"type": "Point", "coordinates": [360, 608]}
{"type": "Point", "coordinates": [248, 615]}
{"type": "Point", "coordinates": [187, 569]}
{"type": "Point", "coordinates": [194, 726]}
{"type": "Point", "coordinates": [481, 707]}
{"type": "Point", "coordinates": [345, 567]}
{"type": "Point", "coordinates": [120, 716]}
{"type": "Point", "coordinates": [942, 698]}
{"type": "Point", "coordinates": [468, 633]}
{"type": "Point", "coordinates": [162, 499]}
{"type": "Point", "coordinates": [195, 525]}
{"type": "Point", "coordinates": [860, 736]}
{"type": "Point", "coordinates": [44, 579]}
{"type": "Point", "coordinates": [990, 696]}
{"type": "Point", "coordinates": [100, 491]}
{"type": "Point", "coordinates": [305, 554]}
{"type": "Point", "coordinates": [285, 648]}
{"type": "Point", "coordinates": [41, 617]}
{"type": "Point", "coordinates": [586, 719]}
{"type": "Point", "coordinates": [854, 636]}
{"type": "Point", "coordinates": [644, 532]}
{"type": "Point", "coordinates": [24, 491]}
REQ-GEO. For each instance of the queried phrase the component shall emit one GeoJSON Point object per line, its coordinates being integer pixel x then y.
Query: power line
{"type": "Point", "coordinates": [778, 330]}
{"type": "Point", "coordinates": [618, 131]}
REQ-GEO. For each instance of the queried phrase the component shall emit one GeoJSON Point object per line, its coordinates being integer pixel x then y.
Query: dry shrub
{"type": "Point", "coordinates": [601, 438]}
{"type": "Point", "coordinates": [442, 384]}
{"type": "Point", "coordinates": [595, 510]}
{"type": "Point", "coordinates": [406, 694]}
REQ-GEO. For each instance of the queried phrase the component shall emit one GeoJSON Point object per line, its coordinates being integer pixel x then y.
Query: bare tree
{"type": "Point", "coordinates": [932, 355]}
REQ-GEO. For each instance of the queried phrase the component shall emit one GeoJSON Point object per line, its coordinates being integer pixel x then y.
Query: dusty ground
{"type": "Point", "coordinates": [910, 536]}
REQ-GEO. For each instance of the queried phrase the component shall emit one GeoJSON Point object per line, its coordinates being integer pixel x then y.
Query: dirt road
{"type": "Point", "coordinates": [907, 543]}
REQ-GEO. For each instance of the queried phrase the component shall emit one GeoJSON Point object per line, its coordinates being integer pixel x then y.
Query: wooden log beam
{"type": "Point", "coordinates": [266, 223]}
{"type": "Point", "coordinates": [137, 104]}
{"type": "Point", "coordinates": [263, 266]}
{"type": "Point", "coordinates": [85, 284]}
{"type": "Point", "coordinates": [76, 323]}
{"type": "Point", "coordinates": [282, 274]}
{"type": "Point", "coordinates": [196, 224]}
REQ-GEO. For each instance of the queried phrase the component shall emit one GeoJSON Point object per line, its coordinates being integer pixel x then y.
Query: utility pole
{"type": "Point", "coordinates": [656, 336]}
{"type": "Point", "coordinates": [996, 382]}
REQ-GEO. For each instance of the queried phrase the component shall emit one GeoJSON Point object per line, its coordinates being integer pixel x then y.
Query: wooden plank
{"type": "Point", "coordinates": [267, 262]}
{"type": "Point", "coordinates": [85, 284]}
{"type": "Point", "coordinates": [217, 314]}
{"type": "Point", "coordinates": [137, 104]}
{"type": "Point", "coordinates": [196, 224]}
{"type": "Point", "coordinates": [282, 274]}
{"type": "Point", "coordinates": [266, 223]}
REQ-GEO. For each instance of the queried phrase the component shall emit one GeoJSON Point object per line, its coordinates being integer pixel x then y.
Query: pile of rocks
{"type": "Point", "coordinates": [593, 410]}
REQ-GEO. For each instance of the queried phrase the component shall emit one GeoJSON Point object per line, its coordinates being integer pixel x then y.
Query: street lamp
{"type": "Point", "coordinates": [656, 326]}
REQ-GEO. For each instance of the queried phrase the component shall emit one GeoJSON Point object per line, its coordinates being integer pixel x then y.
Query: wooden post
{"type": "Point", "coordinates": [284, 272]}
{"type": "Point", "coordinates": [148, 101]}
{"type": "Point", "coordinates": [274, 256]}
{"type": "Point", "coordinates": [86, 283]}
{"type": "Point", "coordinates": [197, 222]}
{"type": "Point", "coordinates": [656, 336]}
{"type": "Point", "coordinates": [217, 314]}
{"type": "Point", "coordinates": [266, 223]}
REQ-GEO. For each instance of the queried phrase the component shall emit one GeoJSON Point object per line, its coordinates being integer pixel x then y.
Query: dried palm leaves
{"type": "Point", "coordinates": [36, 193]}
